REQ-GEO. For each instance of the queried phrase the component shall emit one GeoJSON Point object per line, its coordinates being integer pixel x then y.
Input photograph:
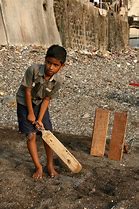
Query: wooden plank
{"type": "Point", "coordinates": [61, 151]}
{"type": "Point", "coordinates": [118, 136]}
{"type": "Point", "coordinates": [100, 132]}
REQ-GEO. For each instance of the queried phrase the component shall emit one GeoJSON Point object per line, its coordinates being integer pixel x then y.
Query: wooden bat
{"type": "Point", "coordinates": [61, 151]}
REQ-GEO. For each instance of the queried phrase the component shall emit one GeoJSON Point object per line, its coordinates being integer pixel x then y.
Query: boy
{"type": "Point", "coordinates": [33, 97]}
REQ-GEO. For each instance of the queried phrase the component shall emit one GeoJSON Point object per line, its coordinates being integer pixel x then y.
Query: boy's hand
{"type": "Point", "coordinates": [39, 125]}
{"type": "Point", "coordinates": [31, 118]}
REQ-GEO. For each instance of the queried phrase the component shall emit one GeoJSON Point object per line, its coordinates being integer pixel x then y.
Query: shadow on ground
{"type": "Point", "coordinates": [102, 183]}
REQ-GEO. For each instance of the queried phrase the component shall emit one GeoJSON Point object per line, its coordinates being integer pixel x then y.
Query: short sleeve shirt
{"type": "Point", "coordinates": [41, 88]}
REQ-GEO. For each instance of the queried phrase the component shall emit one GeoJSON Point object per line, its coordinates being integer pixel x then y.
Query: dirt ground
{"type": "Point", "coordinates": [102, 183]}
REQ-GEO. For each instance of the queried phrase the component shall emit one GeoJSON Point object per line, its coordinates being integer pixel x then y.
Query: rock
{"type": "Point", "coordinates": [1, 93]}
{"type": "Point", "coordinates": [89, 80]}
{"type": "Point", "coordinates": [86, 115]}
{"type": "Point", "coordinates": [125, 204]}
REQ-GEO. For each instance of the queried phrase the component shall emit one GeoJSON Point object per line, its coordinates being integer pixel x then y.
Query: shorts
{"type": "Point", "coordinates": [25, 126]}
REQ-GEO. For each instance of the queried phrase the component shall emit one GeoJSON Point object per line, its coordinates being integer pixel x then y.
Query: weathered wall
{"type": "Point", "coordinates": [118, 31]}
{"type": "Point", "coordinates": [3, 38]}
{"type": "Point", "coordinates": [82, 26]}
{"type": "Point", "coordinates": [28, 22]}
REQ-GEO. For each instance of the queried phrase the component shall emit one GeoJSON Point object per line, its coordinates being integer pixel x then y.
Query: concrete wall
{"type": "Point", "coordinates": [28, 22]}
{"type": "Point", "coordinates": [83, 26]}
{"type": "Point", "coordinates": [3, 35]}
{"type": "Point", "coordinates": [80, 24]}
{"type": "Point", "coordinates": [118, 32]}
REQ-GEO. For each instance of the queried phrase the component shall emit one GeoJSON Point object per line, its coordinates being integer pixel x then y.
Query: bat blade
{"type": "Point", "coordinates": [71, 162]}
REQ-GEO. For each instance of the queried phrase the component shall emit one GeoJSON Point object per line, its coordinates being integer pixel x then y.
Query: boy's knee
{"type": "Point", "coordinates": [31, 137]}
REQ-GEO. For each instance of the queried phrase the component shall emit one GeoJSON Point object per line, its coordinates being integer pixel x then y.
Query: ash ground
{"type": "Point", "coordinates": [102, 183]}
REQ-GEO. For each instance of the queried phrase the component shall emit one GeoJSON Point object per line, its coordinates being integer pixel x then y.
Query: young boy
{"type": "Point", "coordinates": [33, 97]}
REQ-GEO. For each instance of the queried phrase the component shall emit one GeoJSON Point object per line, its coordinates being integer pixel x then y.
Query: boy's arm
{"type": "Point", "coordinates": [43, 109]}
{"type": "Point", "coordinates": [31, 116]}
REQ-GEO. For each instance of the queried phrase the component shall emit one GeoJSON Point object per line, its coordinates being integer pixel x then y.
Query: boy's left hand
{"type": "Point", "coordinates": [39, 125]}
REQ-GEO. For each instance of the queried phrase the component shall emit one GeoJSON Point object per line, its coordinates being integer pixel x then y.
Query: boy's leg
{"type": "Point", "coordinates": [27, 128]}
{"type": "Point", "coordinates": [32, 148]}
{"type": "Point", "coordinates": [50, 164]}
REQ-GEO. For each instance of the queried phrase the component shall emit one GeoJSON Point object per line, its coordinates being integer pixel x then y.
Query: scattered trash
{"type": "Point", "coordinates": [91, 79]}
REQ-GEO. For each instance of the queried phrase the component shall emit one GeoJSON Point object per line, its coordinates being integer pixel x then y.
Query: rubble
{"type": "Point", "coordinates": [89, 80]}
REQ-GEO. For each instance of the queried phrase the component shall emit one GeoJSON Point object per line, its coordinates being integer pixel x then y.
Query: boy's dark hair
{"type": "Point", "coordinates": [57, 52]}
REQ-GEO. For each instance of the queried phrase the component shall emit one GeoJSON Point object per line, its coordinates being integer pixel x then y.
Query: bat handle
{"type": "Point", "coordinates": [39, 128]}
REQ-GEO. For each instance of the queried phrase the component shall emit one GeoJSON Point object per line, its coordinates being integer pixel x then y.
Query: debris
{"type": "Point", "coordinates": [86, 115]}
{"type": "Point", "coordinates": [1, 93]}
{"type": "Point", "coordinates": [91, 80]}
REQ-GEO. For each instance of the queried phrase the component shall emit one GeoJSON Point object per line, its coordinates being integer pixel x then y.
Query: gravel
{"type": "Point", "coordinates": [89, 81]}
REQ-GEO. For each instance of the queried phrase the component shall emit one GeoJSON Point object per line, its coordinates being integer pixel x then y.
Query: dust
{"type": "Point", "coordinates": [102, 183]}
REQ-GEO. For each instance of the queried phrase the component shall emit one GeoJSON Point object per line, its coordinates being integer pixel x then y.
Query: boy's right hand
{"type": "Point", "coordinates": [39, 125]}
{"type": "Point", "coordinates": [31, 118]}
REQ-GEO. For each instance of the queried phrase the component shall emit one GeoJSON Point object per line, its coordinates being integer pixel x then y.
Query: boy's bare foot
{"type": "Point", "coordinates": [38, 173]}
{"type": "Point", "coordinates": [52, 172]}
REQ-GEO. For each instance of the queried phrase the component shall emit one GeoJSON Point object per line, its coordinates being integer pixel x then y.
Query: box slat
{"type": "Point", "coordinates": [100, 132]}
{"type": "Point", "coordinates": [118, 136]}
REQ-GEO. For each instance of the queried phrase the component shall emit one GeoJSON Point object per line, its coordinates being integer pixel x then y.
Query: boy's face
{"type": "Point", "coordinates": [52, 66]}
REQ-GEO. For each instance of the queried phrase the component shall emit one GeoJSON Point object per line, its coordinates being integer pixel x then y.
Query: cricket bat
{"type": "Point", "coordinates": [61, 151]}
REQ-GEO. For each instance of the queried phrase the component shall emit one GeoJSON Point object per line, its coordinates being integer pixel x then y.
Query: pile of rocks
{"type": "Point", "coordinates": [89, 80]}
